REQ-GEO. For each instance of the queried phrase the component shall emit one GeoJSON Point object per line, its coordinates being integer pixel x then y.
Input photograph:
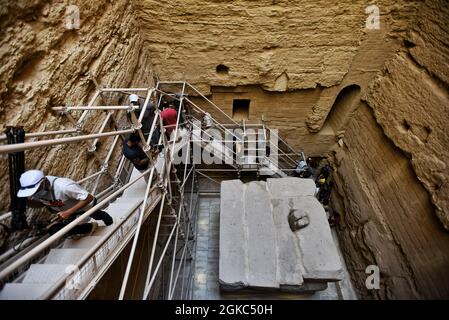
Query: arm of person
{"type": "Point", "coordinates": [34, 204]}
{"type": "Point", "coordinates": [143, 162]}
{"type": "Point", "coordinates": [140, 162]}
{"type": "Point", "coordinates": [77, 207]}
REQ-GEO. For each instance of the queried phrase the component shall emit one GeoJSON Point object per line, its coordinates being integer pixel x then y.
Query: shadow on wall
{"type": "Point", "coordinates": [342, 109]}
{"type": "Point", "coordinates": [388, 219]}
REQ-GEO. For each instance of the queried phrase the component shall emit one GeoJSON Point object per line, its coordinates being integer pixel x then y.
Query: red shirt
{"type": "Point", "coordinates": [169, 117]}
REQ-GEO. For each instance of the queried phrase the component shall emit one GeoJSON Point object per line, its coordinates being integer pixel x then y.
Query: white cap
{"type": "Point", "coordinates": [30, 182]}
{"type": "Point", "coordinates": [133, 98]}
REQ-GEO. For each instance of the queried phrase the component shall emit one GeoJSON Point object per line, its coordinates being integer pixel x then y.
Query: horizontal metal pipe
{"type": "Point", "coordinates": [5, 216]}
{"type": "Point", "coordinates": [123, 89]}
{"type": "Point", "coordinates": [45, 143]}
{"type": "Point", "coordinates": [94, 108]}
{"type": "Point", "coordinates": [42, 134]}
{"type": "Point", "coordinates": [7, 271]}
{"type": "Point", "coordinates": [90, 177]}
{"type": "Point", "coordinates": [239, 126]}
{"type": "Point", "coordinates": [93, 249]}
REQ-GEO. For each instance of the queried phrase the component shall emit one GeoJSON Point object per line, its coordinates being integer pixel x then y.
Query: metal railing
{"type": "Point", "coordinates": [164, 188]}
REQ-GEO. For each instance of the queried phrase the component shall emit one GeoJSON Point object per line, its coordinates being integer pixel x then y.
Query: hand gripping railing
{"type": "Point", "coordinates": [55, 237]}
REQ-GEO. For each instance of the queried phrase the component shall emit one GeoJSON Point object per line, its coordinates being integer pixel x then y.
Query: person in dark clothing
{"type": "Point", "coordinates": [325, 193]}
{"type": "Point", "coordinates": [334, 219]}
{"type": "Point", "coordinates": [163, 105]}
{"type": "Point", "coordinates": [326, 171]}
{"type": "Point", "coordinates": [134, 152]}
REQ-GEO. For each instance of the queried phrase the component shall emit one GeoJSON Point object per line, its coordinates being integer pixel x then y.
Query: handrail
{"type": "Point", "coordinates": [201, 95]}
{"type": "Point", "coordinates": [44, 245]}
{"type": "Point", "coordinates": [164, 177]}
{"type": "Point", "coordinates": [5, 215]}
{"type": "Point", "coordinates": [92, 250]}
{"type": "Point", "coordinates": [42, 134]}
{"type": "Point", "coordinates": [45, 143]}
{"type": "Point", "coordinates": [89, 108]}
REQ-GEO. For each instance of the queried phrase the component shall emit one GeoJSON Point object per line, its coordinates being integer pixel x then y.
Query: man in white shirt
{"type": "Point", "coordinates": [61, 196]}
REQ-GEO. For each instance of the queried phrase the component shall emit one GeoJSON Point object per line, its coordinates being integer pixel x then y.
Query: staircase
{"type": "Point", "coordinates": [71, 268]}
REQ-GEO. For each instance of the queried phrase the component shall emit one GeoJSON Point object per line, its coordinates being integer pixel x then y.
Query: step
{"type": "Point", "coordinates": [138, 187]}
{"type": "Point", "coordinates": [128, 200]}
{"type": "Point", "coordinates": [23, 291]}
{"type": "Point", "coordinates": [82, 243]}
{"type": "Point", "coordinates": [119, 210]}
{"type": "Point", "coordinates": [46, 273]}
{"type": "Point", "coordinates": [64, 256]}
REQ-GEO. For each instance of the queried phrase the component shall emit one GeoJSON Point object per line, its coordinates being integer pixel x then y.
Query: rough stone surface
{"type": "Point", "coordinates": [392, 169]}
{"type": "Point", "coordinates": [291, 59]}
{"type": "Point", "coordinates": [257, 247]}
{"type": "Point", "coordinates": [281, 45]}
{"type": "Point", "coordinates": [43, 64]}
{"type": "Point", "coordinates": [401, 147]}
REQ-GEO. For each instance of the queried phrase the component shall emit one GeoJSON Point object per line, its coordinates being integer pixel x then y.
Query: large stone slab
{"type": "Point", "coordinates": [275, 235]}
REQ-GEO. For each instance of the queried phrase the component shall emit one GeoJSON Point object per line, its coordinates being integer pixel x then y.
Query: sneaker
{"type": "Point", "coordinates": [103, 216]}
{"type": "Point", "coordinates": [94, 228]}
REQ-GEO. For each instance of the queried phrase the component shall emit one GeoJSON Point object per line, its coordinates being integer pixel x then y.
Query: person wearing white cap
{"type": "Point", "coordinates": [133, 98]}
{"type": "Point", "coordinates": [148, 116]}
{"type": "Point", "coordinates": [61, 196]}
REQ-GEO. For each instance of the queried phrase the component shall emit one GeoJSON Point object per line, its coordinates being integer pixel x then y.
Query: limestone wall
{"type": "Point", "coordinates": [392, 169]}
{"type": "Point", "coordinates": [278, 44]}
{"type": "Point", "coordinates": [291, 59]}
{"type": "Point", "coordinates": [43, 64]}
{"type": "Point", "coordinates": [388, 219]}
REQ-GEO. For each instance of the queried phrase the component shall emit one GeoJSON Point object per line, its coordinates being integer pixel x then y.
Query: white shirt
{"type": "Point", "coordinates": [67, 194]}
{"type": "Point", "coordinates": [208, 122]}
{"type": "Point", "coordinates": [301, 166]}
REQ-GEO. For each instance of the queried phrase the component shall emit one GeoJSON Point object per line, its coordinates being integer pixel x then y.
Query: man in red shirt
{"type": "Point", "coordinates": [169, 117]}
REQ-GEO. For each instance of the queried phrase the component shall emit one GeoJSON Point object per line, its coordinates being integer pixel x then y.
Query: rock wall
{"type": "Point", "coordinates": [292, 59]}
{"type": "Point", "coordinates": [44, 64]}
{"type": "Point", "coordinates": [388, 219]}
{"type": "Point", "coordinates": [392, 169]}
{"type": "Point", "coordinates": [278, 44]}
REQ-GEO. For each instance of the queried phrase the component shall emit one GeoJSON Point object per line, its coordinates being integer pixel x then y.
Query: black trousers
{"type": "Point", "coordinates": [82, 228]}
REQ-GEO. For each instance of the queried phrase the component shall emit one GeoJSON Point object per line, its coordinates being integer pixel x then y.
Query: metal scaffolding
{"type": "Point", "coordinates": [170, 194]}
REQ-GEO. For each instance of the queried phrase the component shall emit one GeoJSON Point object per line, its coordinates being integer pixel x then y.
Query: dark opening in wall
{"type": "Point", "coordinates": [240, 109]}
{"type": "Point", "coordinates": [406, 125]}
{"type": "Point", "coordinates": [222, 69]}
{"type": "Point", "coordinates": [342, 109]}
{"type": "Point", "coordinates": [409, 44]}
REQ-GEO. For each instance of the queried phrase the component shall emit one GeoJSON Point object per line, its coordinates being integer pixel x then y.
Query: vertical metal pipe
{"type": "Point", "coordinates": [85, 112]}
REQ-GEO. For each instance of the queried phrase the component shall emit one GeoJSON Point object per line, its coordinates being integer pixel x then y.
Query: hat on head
{"type": "Point", "coordinates": [30, 182]}
{"type": "Point", "coordinates": [133, 98]}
